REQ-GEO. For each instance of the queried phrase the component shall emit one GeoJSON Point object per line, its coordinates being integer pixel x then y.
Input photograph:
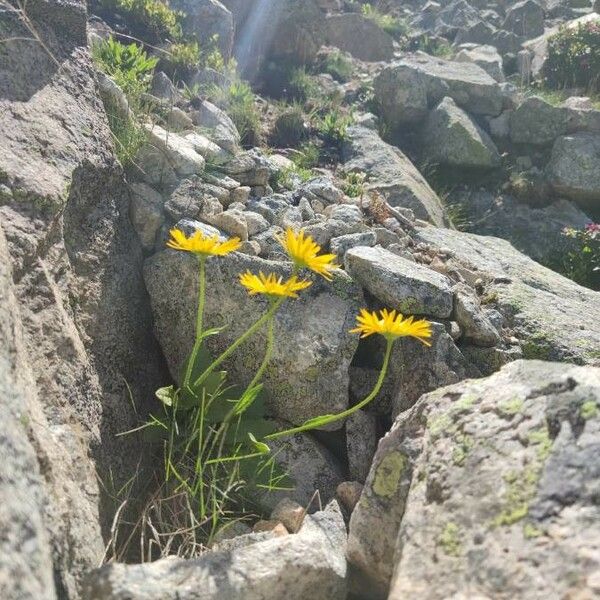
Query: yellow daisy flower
{"type": "Point", "coordinates": [271, 285]}
{"type": "Point", "coordinates": [304, 251]}
{"type": "Point", "coordinates": [391, 325]}
{"type": "Point", "coordinates": [202, 244]}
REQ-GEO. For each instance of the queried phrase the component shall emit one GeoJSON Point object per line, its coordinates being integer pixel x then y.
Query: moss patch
{"type": "Point", "coordinates": [588, 410]}
{"type": "Point", "coordinates": [512, 406]}
{"type": "Point", "coordinates": [464, 443]}
{"type": "Point", "coordinates": [522, 485]}
{"type": "Point", "coordinates": [450, 540]}
{"type": "Point", "coordinates": [388, 474]}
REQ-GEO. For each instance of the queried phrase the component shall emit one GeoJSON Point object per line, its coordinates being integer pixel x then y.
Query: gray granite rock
{"type": "Point", "coordinates": [310, 564]}
{"type": "Point", "coordinates": [486, 488]}
{"type": "Point", "coordinates": [400, 284]}
{"type": "Point", "coordinates": [452, 138]}
{"type": "Point", "coordinates": [392, 174]}
{"type": "Point", "coordinates": [552, 317]}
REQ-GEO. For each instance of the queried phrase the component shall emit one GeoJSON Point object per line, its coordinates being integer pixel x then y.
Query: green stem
{"type": "Point", "coordinates": [319, 422]}
{"type": "Point", "coordinates": [199, 317]}
{"type": "Point", "coordinates": [248, 333]}
{"type": "Point", "coordinates": [268, 353]}
{"type": "Point", "coordinates": [222, 431]}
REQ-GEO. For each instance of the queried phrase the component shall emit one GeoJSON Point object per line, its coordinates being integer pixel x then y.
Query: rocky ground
{"type": "Point", "coordinates": [475, 472]}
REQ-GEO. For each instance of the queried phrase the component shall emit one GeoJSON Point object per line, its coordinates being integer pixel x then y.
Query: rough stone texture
{"type": "Point", "coordinates": [486, 57]}
{"type": "Point", "coordinates": [361, 443]}
{"type": "Point", "coordinates": [420, 80]}
{"type": "Point", "coordinates": [179, 152]}
{"type": "Point", "coordinates": [574, 166]}
{"type": "Point", "coordinates": [452, 138]}
{"type": "Point", "coordinates": [537, 122]}
{"type": "Point", "coordinates": [535, 231]}
{"type": "Point", "coordinates": [279, 30]}
{"type": "Point", "coordinates": [146, 213]}
{"type": "Point", "coordinates": [340, 245]}
{"type": "Point", "coordinates": [311, 466]}
{"type": "Point", "coordinates": [401, 94]}
{"type": "Point", "coordinates": [486, 489]}
{"type": "Point", "coordinates": [553, 317]}
{"type": "Point", "coordinates": [392, 174]}
{"type": "Point", "coordinates": [80, 308]}
{"type": "Point", "coordinates": [361, 37]}
{"type": "Point", "coordinates": [25, 552]}
{"type": "Point", "coordinates": [308, 374]}
{"type": "Point", "coordinates": [474, 323]}
{"type": "Point", "coordinates": [206, 19]}
{"type": "Point", "coordinates": [399, 283]}
{"type": "Point", "coordinates": [525, 19]}
{"type": "Point", "coordinates": [222, 129]}
{"type": "Point", "coordinates": [310, 564]}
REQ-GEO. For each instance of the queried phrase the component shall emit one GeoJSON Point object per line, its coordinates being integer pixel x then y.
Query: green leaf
{"type": "Point", "coordinates": [247, 399]}
{"type": "Point", "coordinates": [166, 395]}
{"type": "Point", "coordinates": [317, 421]}
{"type": "Point", "coordinates": [260, 446]}
{"type": "Point", "coordinates": [213, 331]}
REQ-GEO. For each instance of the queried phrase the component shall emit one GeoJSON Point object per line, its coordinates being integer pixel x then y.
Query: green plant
{"type": "Point", "coordinates": [291, 177]}
{"type": "Point", "coordinates": [307, 156]}
{"type": "Point", "coordinates": [180, 59]}
{"type": "Point", "coordinates": [338, 66]}
{"type": "Point", "coordinates": [574, 57]}
{"type": "Point", "coordinates": [582, 264]}
{"type": "Point", "coordinates": [127, 64]}
{"type": "Point", "coordinates": [354, 184]}
{"type": "Point", "coordinates": [301, 86]}
{"type": "Point", "coordinates": [396, 27]}
{"type": "Point", "coordinates": [152, 19]}
{"type": "Point", "coordinates": [434, 46]}
{"type": "Point", "coordinates": [290, 127]}
{"type": "Point", "coordinates": [237, 99]}
{"type": "Point", "coordinates": [131, 69]}
{"type": "Point", "coordinates": [334, 127]}
{"type": "Point", "coordinates": [214, 435]}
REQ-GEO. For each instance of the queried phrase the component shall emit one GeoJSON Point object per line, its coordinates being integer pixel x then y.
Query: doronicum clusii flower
{"type": "Point", "coordinates": [271, 285]}
{"type": "Point", "coordinates": [304, 251]}
{"type": "Point", "coordinates": [202, 245]}
{"type": "Point", "coordinates": [392, 325]}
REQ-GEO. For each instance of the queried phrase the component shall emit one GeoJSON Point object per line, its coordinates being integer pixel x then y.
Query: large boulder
{"type": "Point", "coordinates": [308, 374]}
{"type": "Point", "coordinates": [420, 81]}
{"type": "Point", "coordinates": [361, 37]}
{"type": "Point", "coordinates": [535, 231]}
{"type": "Point", "coordinates": [80, 319]}
{"type": "Point", "coordinates": [525, 19]}
{"type": "Point", "coordinates": [279, 30]}
{"type": "Point", "coordinates": [399, 283]}
{"type": "Point", "coordinates": [207, 21]}
{"type": "Point", "coordinates": [309, 564]}
{"type": "Point", "coordinates": [452, 138]}
{"type": "Point", "coordinates": [487, 489]}
{"type": "Point", "coordinates": [486, 57]}
{"type": "Point", "coordinates": [551, 316]}
{"type": "Point", "coordinates": [574, 167]}
{"type": "Point", "coordinates": [26, 569]}
{"type": "Point", "coordinates": [391, 173]}
{"type": "Point", "coordinates": [537, 122]}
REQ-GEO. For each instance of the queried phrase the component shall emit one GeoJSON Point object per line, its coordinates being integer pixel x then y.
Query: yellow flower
{"type": "Point", "coordinates": [304, 251]}
{"type": "Point", "coordinates": [202, 244]}
{"type": "Point", "coordinates": [391, 325]}
{"type": "Point", "coordinates": [271, 285]}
